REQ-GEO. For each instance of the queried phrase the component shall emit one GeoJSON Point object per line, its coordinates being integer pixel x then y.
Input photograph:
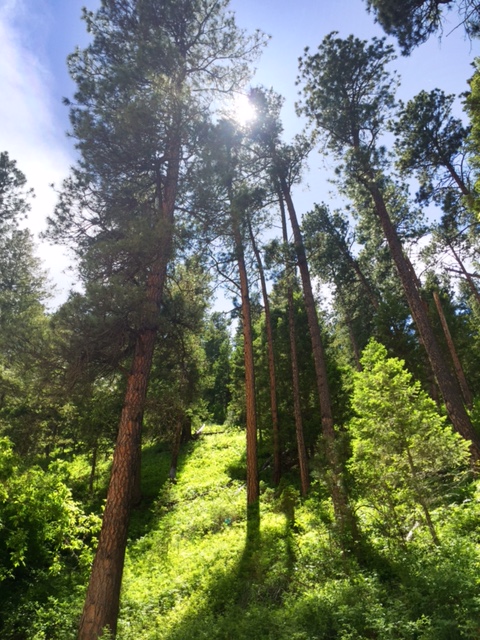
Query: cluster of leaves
{"type": "Point", "coordinates": [45, 535]}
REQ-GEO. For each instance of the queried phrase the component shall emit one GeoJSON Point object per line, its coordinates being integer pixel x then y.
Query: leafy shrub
{"type": "Point", "coordinates": [44, 535]}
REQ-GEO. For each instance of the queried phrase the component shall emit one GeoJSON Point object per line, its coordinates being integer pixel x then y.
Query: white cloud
{"type": "Point", "coordinates": [29, 131]}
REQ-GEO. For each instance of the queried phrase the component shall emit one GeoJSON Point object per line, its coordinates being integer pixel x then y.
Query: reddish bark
{"type": "Point", "coordinates": [343, 513]}
{"type": "Point", "coordinates": [103, 594]}
{"type": "Point", "coordinates": [467, 395]}
{"type": "Point", "coordinates": [251, 411]}
{"type": "Point", "coordinates": [297, 411]}
{"type": "Point", "coordinates": [271, 363]}
{"type": "Point", "coordinates": [447, 383]}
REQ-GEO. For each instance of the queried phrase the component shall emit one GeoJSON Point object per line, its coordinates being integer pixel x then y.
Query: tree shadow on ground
{"type": "Point", "coordinates": [245, 601]}
{"type": "Point", "coordinates": [155, 486]}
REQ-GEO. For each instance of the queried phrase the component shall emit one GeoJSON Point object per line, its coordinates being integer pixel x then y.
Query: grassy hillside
{"type": "Point", "coordinates": [196, 568]}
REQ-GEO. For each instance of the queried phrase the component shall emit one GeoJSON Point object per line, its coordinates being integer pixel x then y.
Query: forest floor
{"type": "Point", "coordinates": [197, 567]}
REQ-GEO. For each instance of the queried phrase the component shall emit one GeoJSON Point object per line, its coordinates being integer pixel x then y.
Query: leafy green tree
{"type": "Point", "coordinates": [43, 533]}
{"type": "Point", "coordinates": [430, 144]}
{"type": "Point", "coordinates": [348, 95]}
{"type": "Point", "coordinates": [403, 452]}
{"type": "Point", "coordinates": [413, 21]}
{"type": "Point", "coordinates": [145, 86]}
{"type": "Point", "coordinates": [472, 105]}
{"type": "Point", "coordinates": [25, 340]}
{"type": "Point", "coordinates": [14, 195]}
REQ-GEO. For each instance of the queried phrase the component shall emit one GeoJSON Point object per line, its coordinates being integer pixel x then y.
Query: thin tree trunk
{"type": "Point", "coordinates": [93, 467]}
{"type": "Point", "coordinates": [468, 277]}
{"type": "Point", "coordinates": [447, 383]}
{"type": "Point", "coordinates": [355, 348]}
{"type": "Point", "coordinates": [297, 410]}
{"type": "Point", "coordinates": [344, 516]}
{"type": "Point", "coordinates": [421, 500]}
{"type": "Point", "coordinates": [271, 361]}
{"type": "Point", "coordinates": [102, 600]}
{"type": "Point", "coordinates": [251, 411]}
{"type": "Point", "coordinates": [177, 441]}
{"type": "Point", "coordinates": [467, 395]}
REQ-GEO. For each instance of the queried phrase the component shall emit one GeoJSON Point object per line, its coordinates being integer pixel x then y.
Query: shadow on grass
{"type": "Point", "coordinates": [244, 602]}
{"type": "Point", "coordinates": [156, 487]}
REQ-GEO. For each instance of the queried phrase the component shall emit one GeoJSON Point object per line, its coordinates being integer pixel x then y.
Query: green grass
{"type": "Point", "coordinates": [203, 569]}
{"type": "Point", "coordinates": [198, 568]}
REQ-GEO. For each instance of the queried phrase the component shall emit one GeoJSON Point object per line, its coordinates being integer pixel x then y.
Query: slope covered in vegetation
{"type": "Point", "coordinates": [197, 567]}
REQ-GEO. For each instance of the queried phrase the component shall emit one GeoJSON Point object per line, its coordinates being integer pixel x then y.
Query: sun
{"type": "Point", "coordinates": [242, 110]}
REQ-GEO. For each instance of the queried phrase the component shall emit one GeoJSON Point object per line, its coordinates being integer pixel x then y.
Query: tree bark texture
{"type": "Point", "coordinates": [103, 596]}
{"type": "Point", "coordinates": [447, 383]}
{"type": "Point", "coordinates": [297, 410]}
{"type": "Point", "coordinates": [251, 411]}
{"type": "Point", "coordinates": [102, 600]}
{"type": "Point", "coordinates": [467, 395]}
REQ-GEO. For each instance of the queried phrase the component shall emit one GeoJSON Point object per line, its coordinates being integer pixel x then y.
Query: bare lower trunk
{"type": "Point", "coordinates": [355, 348]}
{"type": "Point", "coordinates": [102, 601]}
{"type": "Point", "coordinates": [467, 396]}
{"type": "Point", "coordinates": [93, 468]}
{"type": "Point", "coordinates": [271, 363]}
{"type": "Point", "coordinates": [177, 442]}
{"type": "Point", "coordinates": [103, 595]}
{"type": "Point", "coordinates": [344, 516]}
{"type": "Point", "coordinates": [297, 411]}
{"type": "Point", "coordinates": [251, 411]}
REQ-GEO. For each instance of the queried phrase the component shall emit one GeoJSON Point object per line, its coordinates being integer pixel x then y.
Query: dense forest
{"type": "Point", "coordinates": [304, 466]}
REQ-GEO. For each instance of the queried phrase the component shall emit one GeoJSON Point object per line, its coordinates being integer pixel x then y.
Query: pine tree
{"type": "Point", "coordinates": [348, 96]}
{"type": "Point", "coordinates": [145, 86]}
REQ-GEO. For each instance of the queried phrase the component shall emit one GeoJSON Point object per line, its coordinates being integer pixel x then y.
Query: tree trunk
{"type": "Point", "coordinates": [467, 396]}
{"type": "Point", "coordinates": [297, 410]}
{"type": "Point", "coordinates": [468, 277]}
{"type": "Point", "coordinates": [271, 362]}
{"type": "Point", "coordinates": [447, 383]}
{"type": "Point", "coordinates": [102, 600]}
{"type": "Point", "coordinates": [344, 516]}
{"type": "Point", "coordinates": [251, 411]}
{"type": "Point", "coordinates": [177, 442]}
{"type": "Point", "coordinates": [355, 348]}
{"type": "Point", "coordinates": [93, 468]}
{"type": "Point", "coordinates": [103, 596]}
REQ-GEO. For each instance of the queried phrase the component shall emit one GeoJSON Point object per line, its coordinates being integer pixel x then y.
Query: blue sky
{"type": "Point", "coordinates": [37, 35]}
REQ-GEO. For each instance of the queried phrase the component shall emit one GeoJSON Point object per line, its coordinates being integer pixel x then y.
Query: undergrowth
{"type": "Point", "coordinates": [198, 568]}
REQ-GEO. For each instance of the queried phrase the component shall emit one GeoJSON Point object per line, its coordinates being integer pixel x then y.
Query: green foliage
{"type": "Point", "coordinates": [411, 22]}
{"type": "Point", "coordinates": [197, 567]}
{"type": "Point", "coordinates": [46, 544]}
{"type": "Point", "coordinates": [217, 345]}
{"type": "Point", "coordinates": [430, 144]}
{"type": "Point", "coordinates": [14, 195]}
{"type": "Point", "coordinates": [347, 90]}
{"type": "Point", "coordinates": [41, 526]}
{"type": "Point", "coordinates": [405, 458]}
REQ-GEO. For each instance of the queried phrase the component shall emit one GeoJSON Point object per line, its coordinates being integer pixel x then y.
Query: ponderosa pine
{"type": "Point", "coordinates": [144, 86]}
